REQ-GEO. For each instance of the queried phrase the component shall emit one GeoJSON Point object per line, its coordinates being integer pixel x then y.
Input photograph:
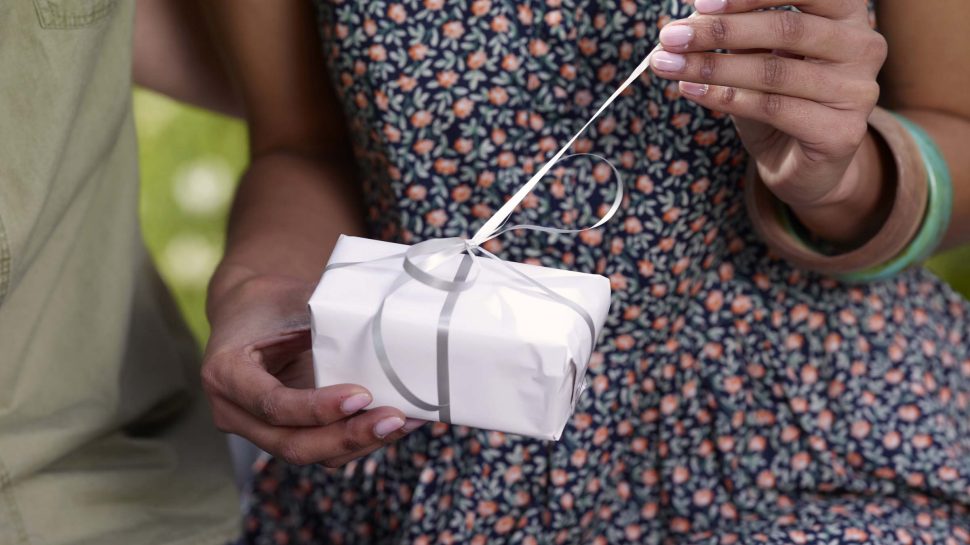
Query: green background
{"type": "Point", "coordinates": [190, 163]}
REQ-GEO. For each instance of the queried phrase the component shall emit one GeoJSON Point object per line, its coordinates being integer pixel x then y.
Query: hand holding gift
{"type": "Point", "coordinates": [259, 379]}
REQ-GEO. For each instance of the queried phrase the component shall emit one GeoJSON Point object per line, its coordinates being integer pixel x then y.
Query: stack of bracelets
{"type": "Point", "coordinates": [914, 227]}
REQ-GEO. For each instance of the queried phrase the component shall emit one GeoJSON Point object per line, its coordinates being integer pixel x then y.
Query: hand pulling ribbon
{"type": "Point", "coordinates": [421, 259]}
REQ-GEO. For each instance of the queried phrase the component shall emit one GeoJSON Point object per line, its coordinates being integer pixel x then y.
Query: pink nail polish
{"type": "Point", "coordinates": [710, 6]}
{"type": "Point", "coordinates": [412, 424]}
{"type": "Point", "coordinates": [355, 403]}
{"type": "Point", "coordinates": [666, 61]}
{"type": "Point", "coordinates": [388, 426]}
{"type": "Point", "coordinates": [676, 35]}
{"type": "Point", "coordinates": [694, 89]}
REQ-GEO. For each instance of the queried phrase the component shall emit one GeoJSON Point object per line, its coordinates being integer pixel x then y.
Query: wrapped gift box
{"type": "Point", "coordinates": [500, 355]}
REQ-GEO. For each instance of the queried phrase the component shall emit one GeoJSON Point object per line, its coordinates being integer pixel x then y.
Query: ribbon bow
{"type": "Point", "coordinates": [422, 259]}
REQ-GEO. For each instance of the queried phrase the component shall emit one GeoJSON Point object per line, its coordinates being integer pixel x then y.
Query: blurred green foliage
{"type": "Point", "coordinates": [190, 160]}
{"type": "Point", "coordinates": [190, 163]}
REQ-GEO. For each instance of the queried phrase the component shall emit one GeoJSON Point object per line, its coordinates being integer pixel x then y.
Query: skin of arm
{"type": "Point", "coordinates": [297, 196]}
{"type": "Point", "coordinates": [174, 54]}
{"type": "Point", "coordinates": [927, 79]}
{"type": "Point", "coordinates": [802, 112]}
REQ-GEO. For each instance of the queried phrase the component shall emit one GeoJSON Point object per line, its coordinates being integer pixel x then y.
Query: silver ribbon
{"type": "Point", "coordinates": [422, 259]}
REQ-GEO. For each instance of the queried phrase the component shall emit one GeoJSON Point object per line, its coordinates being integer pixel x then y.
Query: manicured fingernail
{"type": "Point", "coordinates": [413, 424]}
{"type": "Point", "coordinates": [355, 403]}
{"type": "Point", "coordinates": [668, 62]}
{"type": "Point", "coordinates": [694, 89]}
{"type": "Point", "coordinates": [710, 6]}
{"type": "Point", "coordinates": [676, 35]}
{"type": "Point", "coordinates": [387, 426]}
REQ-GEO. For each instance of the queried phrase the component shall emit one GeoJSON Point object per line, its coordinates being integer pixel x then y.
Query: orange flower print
{"type": "Point", "coordinates": [486, 179]}
{"type": "Point", "coordinates": [482, 211]}
{"type": "Point", "coordinates": [506, 159]}
{"type": "Point", "coordinates": [423, 146]}
{"type": "Point", "coordinates": [377, 53]}
{"type": "Point", "coordinates": [481, 7]}
{"type": "Point", "coordinates": [433, 4]}
{"type": "Point", "coordinates": [498, 136]}
{"type": "Point", "coordinates": [510, 62]}
{"type": "Point", "coordinates": [476, 60]}
{"type": "Point", "coordinates": [606, 73]}
{"type": "Point", "coordinates": [538, 48]}
{"type": "Point", "coordinates": [436, 218]}
{"type": "Point", "coordinates": [498, 96]}
{"type": "Point", "coordinates": [553, 18]}
{"type": "Point", "coordinates": [447, 78]}
{"type": "Point", "coordinates": [624, 342]}
{"type": "Point", "coordinates": [463, 145]}
{"type": "Point", "coordinates": [500, 24]}
{"type": "Point", "coordinates": [705, 138]}
{"type": "Point", "coordinates": [453, 30]}
{"type": "Point", "coordinates": [417, 192]}
{"type": "Point", "coordinates": [407, 83]}
{"type": "Point", "coordinates": [445, 167]}
{"type": "Point", "coordinates": [677, 168]}
{"type": "Point", "coordinates": [391, 134]}
{"type": "Point", "coordinates": [463, 107]}
{"type": "Point", "coordinates": [421, 118]}
{"type": "Point", "coordinates": [680, 120]}
{"type": "Point", "coordinates": [397, 13]}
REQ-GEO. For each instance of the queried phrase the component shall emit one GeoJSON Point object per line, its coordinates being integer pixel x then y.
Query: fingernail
{"type": "Point", "coordinates": [387, 426]}
{"type": "Point", "coordinates": [676, 35]}
{"type": "Point", "coordinates": [355, 403]}
{"type": "Point", "coordinates": [694, 89]}
{"type": "Point", "coordinates": [668, 62]}
{"type": "Point", "coordinates": [710, 6]}
{"type": "Point", "coordinates": [413, 424]}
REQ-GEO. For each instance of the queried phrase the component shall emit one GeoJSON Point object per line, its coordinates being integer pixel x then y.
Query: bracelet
{"type": "Point", "coordinates": [936, 220]}
{"type": "Point", "coordinates": [910, 203]}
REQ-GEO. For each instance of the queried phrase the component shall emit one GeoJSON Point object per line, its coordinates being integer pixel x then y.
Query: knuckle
{"type": "Point", "coordinates": [210, 380]}
{"type": "Point", "coordinates": [870, 92]}
{"type": "Point", "coordinates": [708, 67]}
{"type": "Point", "coordinates": [789, 27]}
{"type": "Point", "coordinates": [718, 30]}
{"type": "Point", "coordinates": [268, 408]}
{"type": "Point", "coordinates": [877, 47]}
{"type": "Point", "coordinates": [727, 96]}
{"type": "Point", "coordinates": [350, 443]}
{"type": "Point", "coordinates": [319, 411]}
{"type": "Point", "coordinates": [773, 72]}
{"type": "Point", "coordinates": [771, 105]}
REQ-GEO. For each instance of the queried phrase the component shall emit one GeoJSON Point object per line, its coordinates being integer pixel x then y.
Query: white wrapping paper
{"type": "Point", "coordinates": [516, 358]}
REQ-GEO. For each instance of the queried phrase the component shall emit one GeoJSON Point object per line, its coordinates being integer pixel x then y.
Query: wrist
{"type": "Point", "coordinates": [857, 207]}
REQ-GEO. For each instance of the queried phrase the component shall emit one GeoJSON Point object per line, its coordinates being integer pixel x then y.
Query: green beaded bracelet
{"type": "Point", "coordinates": [935, 220]}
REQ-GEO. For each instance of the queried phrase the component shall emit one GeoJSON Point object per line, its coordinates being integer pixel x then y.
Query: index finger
{"type": "Point", "coordinates": [830, 9]}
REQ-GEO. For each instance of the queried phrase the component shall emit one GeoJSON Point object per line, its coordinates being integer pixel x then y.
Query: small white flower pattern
{"type": "Point", "coordinates": [733, 399]}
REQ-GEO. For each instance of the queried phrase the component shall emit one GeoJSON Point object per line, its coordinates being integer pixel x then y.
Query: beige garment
{"type": "Point", "coordinates": [104, 435]}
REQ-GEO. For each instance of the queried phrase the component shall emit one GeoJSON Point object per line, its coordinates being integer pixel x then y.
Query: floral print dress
{"type": "Point", "coordinates": [733, 399]}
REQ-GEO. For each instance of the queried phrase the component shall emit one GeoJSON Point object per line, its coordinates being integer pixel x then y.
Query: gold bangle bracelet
{"type": "Point", "coordinates": [902, 223]}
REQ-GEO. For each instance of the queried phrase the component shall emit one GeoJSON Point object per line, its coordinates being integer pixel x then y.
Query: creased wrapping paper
{"type": "Point", "coordinates": [516, 358]}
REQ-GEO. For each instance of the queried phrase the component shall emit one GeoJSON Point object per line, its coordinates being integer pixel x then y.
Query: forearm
{"type": "Point", "coordinates": [288, 212]}
{"type": "Point", "coordinates": [175, 54]}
